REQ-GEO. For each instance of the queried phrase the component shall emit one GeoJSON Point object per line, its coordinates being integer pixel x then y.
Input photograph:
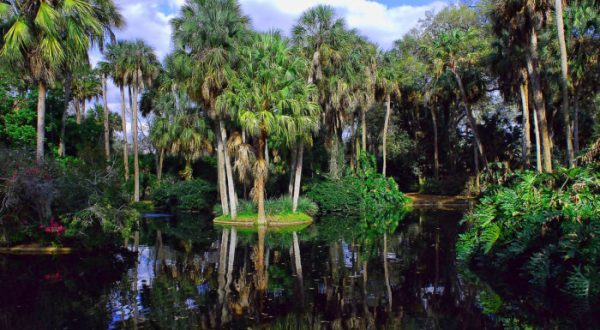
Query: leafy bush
{"type": "Point", "coordinates": [365, 192]}
{"type": "Point", "coordinates": [337, 195]}
{"type": "Point", "coordinates": [46, 203]}
{"type": "Point", "coordinates": [282, 205]}
{"type": "Point", "coordinates": [450, 186]}
{"type": "Point", "coordinates": [546, 225]}
{"type": "Point", "coordinates": [185, 195]}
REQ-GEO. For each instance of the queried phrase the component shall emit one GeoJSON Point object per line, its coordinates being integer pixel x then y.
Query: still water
{"type": "Point", "coordinates": [188, 274]}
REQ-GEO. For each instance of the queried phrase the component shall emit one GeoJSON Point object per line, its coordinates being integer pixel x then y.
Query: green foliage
{"type": "Point", "coordinates": [547, 225]}
{"type": "Point", "coordinates": [87, 201]}
{"type": "Point", "coordinates": [335, 196]}
{"type": "Point", "coordinates": [282, 205]}
{"type": "Point", "coordinates": [185, 195]}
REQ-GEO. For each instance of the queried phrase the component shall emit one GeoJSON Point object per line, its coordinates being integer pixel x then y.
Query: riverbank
{"type": "Point", "coordinates": [440, 202]}
{"type": "Point", "coordinates": [282, 219]}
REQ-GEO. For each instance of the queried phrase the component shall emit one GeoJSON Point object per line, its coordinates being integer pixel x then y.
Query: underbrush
{"type": "Point", "coordinates": [184, 195]}
{"type": "Point", "coordinates": [61, 202]}
{"type": "Point", "coordinates": [547, 226]}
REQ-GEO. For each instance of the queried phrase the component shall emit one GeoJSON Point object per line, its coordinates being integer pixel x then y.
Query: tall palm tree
{"type": "Point", "coordinates": [388, 85]}
{"type": "Point", "coordinates": [457, 50]}
{"type": "Point", "coordinates": [524, 18]}
{"type": "Point", "coordinates": [104, 69]}
{"type": "Point", "coordinates": [207, 31]}
{"type": "Point", "coordinates": [142, 69]}
{"type": "Point", "coordinates": [38, 41]}
{"type": "Point", "coordinates": [270, 96]}
{"type": "Point", "coordinates": [86, 87]}
{"type": "Point", "coordinates": [564, 83]}
{"type": "Point", "coordinates": [324, 41]}
{"type": "Point", "coordinates": [116, 56]}
{"type": "Point", "coordinates": [190, 138]}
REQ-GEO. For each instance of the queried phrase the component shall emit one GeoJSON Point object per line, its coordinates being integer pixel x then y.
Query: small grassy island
{"type": "Point", "coordinates": [172, 164]}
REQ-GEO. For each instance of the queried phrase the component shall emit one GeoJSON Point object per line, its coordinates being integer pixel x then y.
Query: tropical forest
{"type": "Point", "coordinates": [319, 164]}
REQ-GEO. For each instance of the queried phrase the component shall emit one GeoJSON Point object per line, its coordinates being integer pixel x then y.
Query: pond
{"type": "Point", "coordinates": [190, 274]}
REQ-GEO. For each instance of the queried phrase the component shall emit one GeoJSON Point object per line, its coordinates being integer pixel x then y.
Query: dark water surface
{"type": "Point", "coordinates": [191, 275]}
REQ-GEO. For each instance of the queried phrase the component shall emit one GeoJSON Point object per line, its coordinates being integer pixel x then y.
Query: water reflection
{"type": "Point", "coordinates": [333, 275]}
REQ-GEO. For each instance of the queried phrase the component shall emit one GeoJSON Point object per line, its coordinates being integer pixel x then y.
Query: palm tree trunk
{"type": "Point", "coordinates": [134, 130]}
{"type": "Point", "coordinates": [560, 25]}
{"type": "Point", "coordinates": [538, 147]}
{"type": "Point", "coordinates": [576, 125]}
{"type": "Point", "coordinates": [159, 168]}
{"type": "Point", "coordinates": [221, 173]}
{"type": "Point", "coordinates": [78, 111]}
{"type": "Point", "coordinates": [188, 169]}
{"type": "Point", "coordinates": [41, 121]}
{"type": "Point", "coordinates": [470, 118]}
{"type": "Point", "coordinates": [260, 179]}
{"type": "Point", "coordinates": [124, 127]}
{"type": "Point", "coordinates": [526, 148]}
{"type": "Point", "coordinates": [261, 274]}
{"type": "Point", "coordinates": [538, 99]}
{"type": "Point", "coordinates": [223, 251]}
{"type": "Point", "coordinates": [229, 172]}
{"type": "Point", "coordinates": [63, 119]}
{"type": "Point", "coordinates": [292, 170]}
{"type": "Point", "coordinates": [298, 175]}
{"type": "Point", "coordinates": [334, 171]}
{"type": "Point", "coordinates": [386, 123]}
{"type": "Point", "coordinates": [363, 120]}
{"type": "Point", "coordinates": [436, 148]}
{"type": "Point", "coordinates": [106, 127]}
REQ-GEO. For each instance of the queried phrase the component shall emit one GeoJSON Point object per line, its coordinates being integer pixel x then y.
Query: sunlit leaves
{"type": "Point", "coordinates": [17, 38]}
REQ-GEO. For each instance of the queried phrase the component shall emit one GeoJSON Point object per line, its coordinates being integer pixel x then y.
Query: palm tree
{"type": "Point", "coordinates": [456, 50]}
{"type": "Point", "coordinates": [388, 85]}
{"type": "Point", "coordinates": [104, 69]}
{"type": "Point", "coordinates": [142, 69]}
{"type": "Point", "coordinates": [324, 41]}
{"type": "Point", "coordinates": [190, 137]}
{"type": "Point", "coordinates": [270, 97]}
{"type": "Point", "coordinates": [116, 56]}
{"type": "Point", "coordinates": [86, 87]}
{"type": "Point", "coordinates": [564, 83]}
{"type": "Point", "coordinates": [37, 42]}
{"type": "Point", "coordinates": [207, 32]}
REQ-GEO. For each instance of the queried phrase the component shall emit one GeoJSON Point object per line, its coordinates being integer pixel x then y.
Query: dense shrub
{"type": "Point", "coordinates": [366, 192]}
{"type": "Point", "coordinates": [185, 195]}
{"type": "Point", "coordinates": [450, 186]}
{"type": "Point", "coordinates": [337, 195]}
{"type": "Point", "coordinates": [280, 205]}
{"type": "Point", "coordinates": [545, 225]}
{"type": "Point", "coordinates": [61, 202]}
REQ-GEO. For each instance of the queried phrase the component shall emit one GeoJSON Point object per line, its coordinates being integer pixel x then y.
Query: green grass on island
{"type": "Point", "coordinates": [247, 218]}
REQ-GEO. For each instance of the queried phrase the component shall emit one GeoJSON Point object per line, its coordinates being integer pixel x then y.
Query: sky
{"type": "Point", "coordinates": [382, 21]}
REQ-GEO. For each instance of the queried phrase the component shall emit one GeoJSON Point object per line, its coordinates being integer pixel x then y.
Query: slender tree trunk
{"type": "Point", "coordinates": [526, 148]}
{"type": "Point", "coordinates": [298, 175]}
{"type": "Point", "coordinates": [538, 142]}
{"type": "Point", "coordinates": [134, 130]}
{"type": "Point", "coordinates": [229, 172]}
{"type": "Point", "coordinates": [576, 125]}
{"type": "Point", "coordinates": [470, 118]}
{"type": "Point", "coordinates": [159, 168]}
{"type": "Point", "coordinates": [386, 123]}
{"type": "Point", "coordinates": [560, 25]}
{"type": "Point", "coordinates": [124, 128]}
{"type": "Point", "coordinates": [261, 178]}
{"type": "Point", "coordinates": [363, 120]}
{"type": "Point", "coordinates": [476, 167]}
{"type": "Point", "coordinates": [334, 171]}
{"type": "Point", "coordinates": [261, 274]}
{"type": "Point", "coordinates": [41, 121]}
{"type": "Point", "coordinates": [538, 99]}
{"type": "Point", "coordinates": [78, 111]}
{"type": "Point", "coordinates": [293, 155]}
{"type": "Point", "coordinates": [436, 148]}
{"type": "Point", "coordinates": [221, 173]}
{"type": "Point", "coordinates": [63, 120]}
{"type": "Point", "coordinates": [352, 145]}
{"type": "Point", "coordinates": [232, 245]}
{"type": "Point", "coordinates": [106, 126]}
